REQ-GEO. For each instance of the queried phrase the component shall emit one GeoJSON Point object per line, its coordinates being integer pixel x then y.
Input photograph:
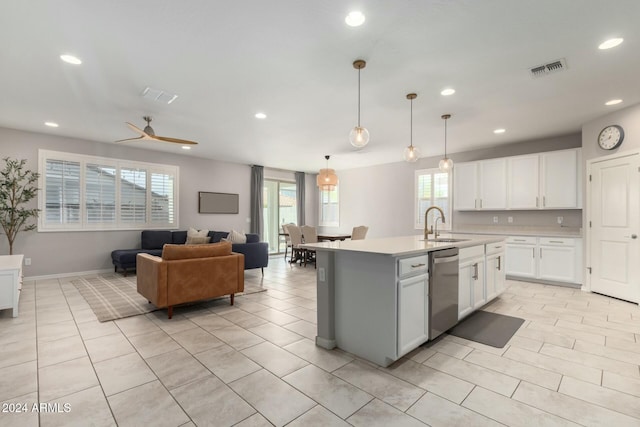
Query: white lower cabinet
{"type": "Point", "coordinates": [413, 315]}
{"type": "Point", "coordinates": [471, 280]}
{"type": "Point", "coordinates": [545, 258]}
{"type": "Point", "coordinates": [495, 271]}
{"type": "Point", "coordinates": [10, 282]}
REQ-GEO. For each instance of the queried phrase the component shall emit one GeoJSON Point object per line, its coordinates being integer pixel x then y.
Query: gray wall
{"type": "Point", "coordinates": [391, 187]}
{"type": "Point", "coordinates": [66, 252]}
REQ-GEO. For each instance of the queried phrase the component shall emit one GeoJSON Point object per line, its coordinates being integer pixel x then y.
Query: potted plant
{"type": "Point", "coordinates": [17, 189]}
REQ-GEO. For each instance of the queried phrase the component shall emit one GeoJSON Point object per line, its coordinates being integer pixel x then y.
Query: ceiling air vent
{"type": "Point", "coordinates": [551, 67]}
{"type": "Point", "coordinates": [158, 95]}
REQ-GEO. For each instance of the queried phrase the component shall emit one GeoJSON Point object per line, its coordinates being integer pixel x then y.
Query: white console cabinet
{"type": "Point", "coordinates": [554, 259]}
{"type": "Point", "coordinates": [10, 282]}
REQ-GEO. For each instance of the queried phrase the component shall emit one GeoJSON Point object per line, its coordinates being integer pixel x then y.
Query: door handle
{"type": "Point", "coordinates": [499, 262]}
{"type": "Point", "coordinates": [540, 253]}
{"type": "Point", "coordinates": [537, 200]}
{"type": "Point", "coordinates": [475, 271]}
{"type": "Point", "coordinates": [533, 252]}
{"type": "Point", "coordinates": [634, 236]}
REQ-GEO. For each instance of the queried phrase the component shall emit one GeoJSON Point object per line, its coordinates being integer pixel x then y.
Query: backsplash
{"type": "Point", "coordinates": [571, 218]}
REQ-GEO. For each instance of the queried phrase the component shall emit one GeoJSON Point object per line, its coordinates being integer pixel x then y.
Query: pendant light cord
{"type": "Point", "coordinates": [359, 69]}
{"type": "Point", "coordinates": [445, 138]}
{"type": "Point", "coordinates": [411, 129]}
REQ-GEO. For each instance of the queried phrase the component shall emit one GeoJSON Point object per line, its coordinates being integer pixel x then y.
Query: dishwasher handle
{"type": "Point", "coordinates": [440, 260]}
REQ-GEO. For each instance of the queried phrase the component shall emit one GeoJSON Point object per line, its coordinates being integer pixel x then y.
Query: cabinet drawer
{"type": "Point", "coordinates": [407, 266]}
{"type": "Point", "coordinates": [522, 239]}
{"type": "Point", "coordinates": [557, 241]}
{"type": "Point", "coordinates": [471, 252]}
{"type": "Point", "coordinates": [494, 248]}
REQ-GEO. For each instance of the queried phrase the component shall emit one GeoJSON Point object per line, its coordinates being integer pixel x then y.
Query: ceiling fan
{"type": "Point", "coordinates": [149, 134]}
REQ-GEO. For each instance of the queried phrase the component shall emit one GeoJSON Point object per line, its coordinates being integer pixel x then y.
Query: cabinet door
{"type": "Point", "coordinates": [412, 313]}
{"type": "Point", "coordinates": [521, 260]}
{"type": "Point", "coordinates": [523, 182]}
{"type": "Point", "coordinates": [557, 263]}
{"type": "Point", "coordinates": [465, 186]}
{"type": "Point", "coordinates": [493, 184]}
{"type": "Point", "coordinates": [465, 289]}
{"type": "Point", "coordinates": [479, 284]}
{"type": "Point", "coordinates": [495, 275]}
{"type": "Point", "coordinates": [560, 179]}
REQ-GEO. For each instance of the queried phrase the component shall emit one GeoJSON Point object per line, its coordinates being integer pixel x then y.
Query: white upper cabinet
{"type": "Point", "coordinates": [523, 182]}
{"type": "Point", "coordinates": [492, 179]}
{"type": "Point", "coordinates": [465, 186]}
{"type": "Point", "coordinates": [548, 180]}
{"type": "Point", "coordinates": [560, 179]}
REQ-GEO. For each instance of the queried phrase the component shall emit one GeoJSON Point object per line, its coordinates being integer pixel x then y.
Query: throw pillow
{"type": "Point", "coordinates": [197, 240]}
{"type": "Point", "coordinates": [237, 237]}
{"type": "Point", "coordinates": [192, 232]}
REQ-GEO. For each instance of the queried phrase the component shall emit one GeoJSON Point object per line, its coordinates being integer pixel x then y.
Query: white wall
{"type": "Point", "coordinates": [66, 252]}
{"type": "Point", "coordinates": [382, 197]}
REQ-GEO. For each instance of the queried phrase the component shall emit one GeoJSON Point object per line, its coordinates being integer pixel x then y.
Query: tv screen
{"type": "Point", "coordinates": [217, 203]}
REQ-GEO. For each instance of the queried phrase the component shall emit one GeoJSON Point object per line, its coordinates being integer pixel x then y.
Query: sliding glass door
{"type": "Point", "coordinates": [280, 207]}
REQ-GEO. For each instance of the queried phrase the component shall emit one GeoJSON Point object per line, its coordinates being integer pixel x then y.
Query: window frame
{"type": "Point", "coordinates": [416, 200]}
{"type": "Point", "coordinates": [321, 220]}
{"type": "Point", "coordinates": [118, 164]}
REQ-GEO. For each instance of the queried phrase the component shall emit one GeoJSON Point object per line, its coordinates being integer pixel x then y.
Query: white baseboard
{"type": "Point", "coordinates": [62, 275]}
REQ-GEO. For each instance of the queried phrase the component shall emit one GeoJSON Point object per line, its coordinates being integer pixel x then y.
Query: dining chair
{"type": "Point", "coordinates": [359, 232]}
{"type": "Point", "coordinates": [310, 235]}
{"type": "Point", "coordinates": [287, 239]}
{"type": "Point", "coordinates": [295, 234]}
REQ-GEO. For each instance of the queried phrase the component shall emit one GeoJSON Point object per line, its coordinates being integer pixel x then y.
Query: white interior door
{"type": "Point", "coordinates": [615, 225]}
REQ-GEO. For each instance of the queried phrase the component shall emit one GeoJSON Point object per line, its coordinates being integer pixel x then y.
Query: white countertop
{"type": "Point", "coordinates": [405, 245]}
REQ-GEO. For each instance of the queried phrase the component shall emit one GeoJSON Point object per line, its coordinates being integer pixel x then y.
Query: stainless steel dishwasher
{"type": "Point", "coordinates": [443, 291]}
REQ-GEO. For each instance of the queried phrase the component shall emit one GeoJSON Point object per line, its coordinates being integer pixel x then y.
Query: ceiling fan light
{"type": "Point", "coordinates": [411, 154]}
{"type": "Point", "coordinates": [359, 136]}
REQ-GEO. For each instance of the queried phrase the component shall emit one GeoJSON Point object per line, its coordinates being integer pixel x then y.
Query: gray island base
{"type": "Point", "coordinates": [373, 294]}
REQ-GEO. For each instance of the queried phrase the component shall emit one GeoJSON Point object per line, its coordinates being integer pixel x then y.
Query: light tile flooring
{"type": "Point", "coordinates": [575, 361]}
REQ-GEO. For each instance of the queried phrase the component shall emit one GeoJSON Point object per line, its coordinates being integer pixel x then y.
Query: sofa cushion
{"type": "Point", "coordinates": [217, 236]}
{"type": "Point", "coordinates": [197, 240]}
{"type": "Point", "coordinates": [179, 237]}
{"type": "Point", "coordinates": [174, 252]}
{"type": "Point", "coordinates": [252, 238]}
{"type": "Point", "coordinates": [192, 232]}
{"type": "Point", "coordinates": [236, 237]}
{"type": "Point", "coordinates": [155, 239]}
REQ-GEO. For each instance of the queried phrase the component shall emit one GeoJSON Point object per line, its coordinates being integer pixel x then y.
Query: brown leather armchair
{"type": "Point", "coordinates": [189, 273]}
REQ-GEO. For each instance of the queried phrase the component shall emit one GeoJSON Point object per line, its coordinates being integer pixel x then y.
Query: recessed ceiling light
{"type": "Point", "coordinates": [610, 43]}
{"type": "Point", "coordinates": [354, 19]}
{"type": "Point", "coordinates": [71, 59]}
{"type": "Point", "coordinates": [51, 124]}
{"type": "Point", "coordinates": [186, 147]}
{"type": "Point", "coordinates": [499, 130]}
{"type": "Point", "coordinates": [261, 116]}
{"type": "Point", "coordinates": [613, 102]}
{"type": "Point", "coordinates": [447, 92]}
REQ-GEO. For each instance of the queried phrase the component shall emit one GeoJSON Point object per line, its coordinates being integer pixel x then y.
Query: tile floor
{"type": "Point", "coordinates": [575, 361]}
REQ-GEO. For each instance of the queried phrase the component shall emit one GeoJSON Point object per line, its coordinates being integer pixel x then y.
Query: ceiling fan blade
{"type": "Point", "coordinates": [131, 139]}
{"type": "Point", "coordinates": [136, 129]}
{"type": "Point", "coordinates": [176, 140]}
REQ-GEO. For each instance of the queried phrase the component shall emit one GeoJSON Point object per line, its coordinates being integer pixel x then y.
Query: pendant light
{"type": "Point", "coordinates": [446, 163]}
{"type": "Point", "coordinates": [327, 178]}
{"type": "Point", "coordinates": [411, 153]}
{"type": "Point", "coordinates": [359, 136]}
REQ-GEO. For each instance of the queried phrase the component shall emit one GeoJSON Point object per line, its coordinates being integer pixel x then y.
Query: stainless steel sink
{"type": "Point", "coordinates": [447, 240]}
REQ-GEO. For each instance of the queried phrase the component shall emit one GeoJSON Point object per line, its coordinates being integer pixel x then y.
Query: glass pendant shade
{"type": "Point", "coordinates": [411, 154]}
{"type": "Point", "coordinates": [359, 137]}
{"type": "Point", "coordinates": [446, 164]}
{"type": "Point", "coordinates": [327, 178]}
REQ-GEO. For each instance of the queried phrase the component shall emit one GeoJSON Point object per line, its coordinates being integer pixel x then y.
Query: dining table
{"type": "Point", "coordinates": [324, 237]}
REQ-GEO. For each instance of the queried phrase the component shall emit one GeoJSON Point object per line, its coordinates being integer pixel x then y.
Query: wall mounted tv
{"type": "Point", "coordinates": [217, 203]}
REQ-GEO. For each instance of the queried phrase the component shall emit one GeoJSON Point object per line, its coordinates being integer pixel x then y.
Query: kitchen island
{"type": "Point", "coordinates": [373, 294]}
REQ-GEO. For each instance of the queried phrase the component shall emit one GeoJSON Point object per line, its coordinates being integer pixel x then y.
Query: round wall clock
{"type": "Point", "coordinates": [611, 137]}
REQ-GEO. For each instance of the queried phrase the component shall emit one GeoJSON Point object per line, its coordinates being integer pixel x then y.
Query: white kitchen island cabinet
{"type": "Point", "coordinates": [10, 282]}
{"type": "Point", "coordinates": [373, 294]}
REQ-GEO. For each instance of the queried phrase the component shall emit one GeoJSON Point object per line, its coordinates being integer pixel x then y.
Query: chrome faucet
{"type": "Point", "coordinates": [426, 228]}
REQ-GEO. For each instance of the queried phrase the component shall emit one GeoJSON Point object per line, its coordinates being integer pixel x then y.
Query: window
{"type": "Point", "coordinates": [433, 188]}
{"type": "Point", "coordinates": [96, 193]}
{"type": "Point", "coordinates": [329, 208]}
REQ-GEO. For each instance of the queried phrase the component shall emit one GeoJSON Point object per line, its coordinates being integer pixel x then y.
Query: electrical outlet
{"type": "Point", "coordinates": [27, 261]}
{"type": "Point", "coordinates": [510, 219]}
{"type": "Point", "coordinates": [495, 219]}
{"type": "Point", "coordinates": [560, 219]}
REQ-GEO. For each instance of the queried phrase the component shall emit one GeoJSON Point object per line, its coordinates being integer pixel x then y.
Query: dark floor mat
{"type": "Point", "coordinates": [487, 328]}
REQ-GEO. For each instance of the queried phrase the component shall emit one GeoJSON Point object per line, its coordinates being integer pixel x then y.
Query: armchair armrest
{"type": "Point", "coordinates": [151, 278]}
